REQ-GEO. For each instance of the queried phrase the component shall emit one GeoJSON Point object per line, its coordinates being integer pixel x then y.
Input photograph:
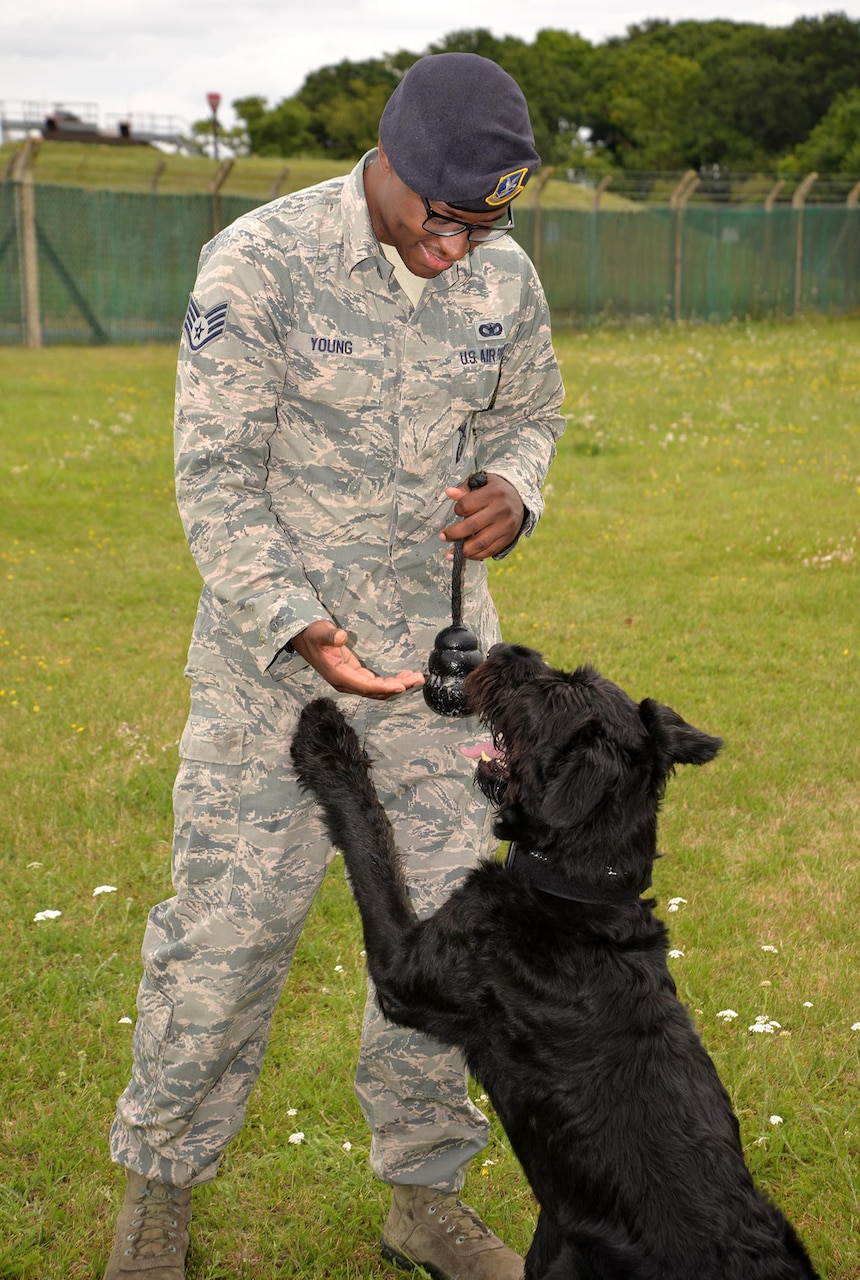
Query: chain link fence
{"type": "Point", "coordinates": [94, 266]}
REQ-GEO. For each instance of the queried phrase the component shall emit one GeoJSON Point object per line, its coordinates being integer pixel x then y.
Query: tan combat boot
{"type": "Point", "coordinates": [438, 1232]}
{"type": "Point", "coordinates": [151, 1232]}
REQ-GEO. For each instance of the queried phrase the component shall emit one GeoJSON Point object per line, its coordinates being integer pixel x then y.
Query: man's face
{"type": "Point", "coordinates": [397, 214]}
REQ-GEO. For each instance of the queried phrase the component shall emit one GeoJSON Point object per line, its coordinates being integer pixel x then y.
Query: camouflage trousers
{"type": "Point", "coordinates": [249, 855]}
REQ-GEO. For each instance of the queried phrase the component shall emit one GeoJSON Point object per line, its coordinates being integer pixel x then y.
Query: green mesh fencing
{"type": "Point", "coordinates": [118, 267]}
{"type": "Point", "coordinates": [699, 263]}
{"type": "Point", "coordinates": [11, 325]}
{"type": "Point", "coordinates": [112, 266]}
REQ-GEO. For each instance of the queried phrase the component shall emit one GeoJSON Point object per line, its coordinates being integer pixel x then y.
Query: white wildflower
{"type": "Point", "coordinates": [855, 1026]}
{"type": "Point", "coordinates": [104, 888]}
{"type": "Point", "coordinates": [122, 1020]}
{"type": "Point", "coordinates": [676, 955]}
{"type": "Point", "coordinates": [296, 1138]}
{"type": "Point", "coordinates": [727, 1014]}
{"type": "Point", "coordinates": [675, 903]}
{"type": "Point", "coordinates": [775, 1120]}
{"type": "Point", "coordinates": [764, 1024]}
{"type": "Point", "coordinates": [46, 915]}
{"type": "Point", "coordinates": [773, 950]}
{"type": "Point", "coordinates": [347, 1146]}
{"type": "Point", "coordinates": [292, 1112]}
{"type": "Point", "coordinates": [807, 1004]}
{"type": "Point", "coordinates": [338, 968]}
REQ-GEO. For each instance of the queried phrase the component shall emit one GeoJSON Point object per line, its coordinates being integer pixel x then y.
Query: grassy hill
{"type": "Point", "coordinates": [146, 169]}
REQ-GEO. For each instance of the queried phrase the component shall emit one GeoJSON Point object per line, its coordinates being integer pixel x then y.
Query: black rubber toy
{"type": "Point", "coordinates": [455, 651]}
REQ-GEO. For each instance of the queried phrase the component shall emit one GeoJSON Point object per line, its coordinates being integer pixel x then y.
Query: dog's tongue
{"type": "Point", "coordinates": [481, 751]}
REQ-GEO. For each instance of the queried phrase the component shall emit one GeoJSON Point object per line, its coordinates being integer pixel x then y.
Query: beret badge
{"type": "Point", "coordinates": [508, 186]}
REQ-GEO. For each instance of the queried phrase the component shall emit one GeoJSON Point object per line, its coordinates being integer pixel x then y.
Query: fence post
{"type": "Point", "coordinates": [594, 244]}
{"type": "Point", "coordinates": [599, 190]}
{"type": "Point", "coordinates": [28, 256]}
{"type": "Point", "coordinates": [217, 183]}
{"type": "Point", "coordinates": [769, 205]}
{"type": "Point", "coordinates": [678, 202]}
{"type": "Point", "coordinates": [798, 201]}
{"type": "Point", "coordinates": [275, 190]}
{"type": "Point", "coordinates": [770, 199]}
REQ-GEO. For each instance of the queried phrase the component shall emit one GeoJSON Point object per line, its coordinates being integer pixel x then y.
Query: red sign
{"type": "Point", "coordinates": [214, 100]}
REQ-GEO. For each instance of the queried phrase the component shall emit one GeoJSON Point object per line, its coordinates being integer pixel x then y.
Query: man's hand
{"type": "Point", "coordinates": [490, 517]}
{"type": "Point", "coordinates": [323, 646]}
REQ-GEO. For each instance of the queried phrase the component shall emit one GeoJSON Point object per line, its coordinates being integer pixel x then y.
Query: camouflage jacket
{"type": "Point", "coordinates": [319, 418]}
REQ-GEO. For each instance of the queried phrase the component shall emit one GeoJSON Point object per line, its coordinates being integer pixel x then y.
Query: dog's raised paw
{"type": "Point", "coordinates": [323, 740]}
{"type": "Point", "coordinates": [319, 728]}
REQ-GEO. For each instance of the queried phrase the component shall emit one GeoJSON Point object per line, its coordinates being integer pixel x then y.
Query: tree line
{"type": "Point", "coordinates": [665, 96]}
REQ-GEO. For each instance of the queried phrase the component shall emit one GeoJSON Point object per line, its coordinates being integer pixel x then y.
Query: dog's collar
{"type": "Point", "coordinates": [531, 867]}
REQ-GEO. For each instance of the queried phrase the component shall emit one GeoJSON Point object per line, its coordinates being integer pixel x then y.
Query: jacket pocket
{"type": "Point", "coordinates": [342, 372]}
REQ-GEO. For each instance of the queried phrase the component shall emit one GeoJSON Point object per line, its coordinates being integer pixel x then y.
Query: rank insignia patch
{"type": "Point", "coordinates": [508, 186]}
{"type": "Point", "coordinates": [204, 326]}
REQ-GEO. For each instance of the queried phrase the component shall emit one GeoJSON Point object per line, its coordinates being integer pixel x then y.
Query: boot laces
{"type": "Point", "coordinates": [156, 1226]}
{"type": "Point", "coordinates": [455, 1216]}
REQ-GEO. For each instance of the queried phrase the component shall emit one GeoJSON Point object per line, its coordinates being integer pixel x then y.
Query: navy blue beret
{"type": "Point", "coordinates": [457, 130]}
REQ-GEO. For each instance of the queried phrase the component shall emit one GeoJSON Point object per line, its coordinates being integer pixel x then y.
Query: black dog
{"type": "Point", "coordinates": [550, 975]}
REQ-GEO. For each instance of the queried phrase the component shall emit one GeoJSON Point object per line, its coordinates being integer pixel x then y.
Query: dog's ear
{"type": "Point", "coordinates": [677, 741]}
{"type": "Point", "coordinates": [586, 772]}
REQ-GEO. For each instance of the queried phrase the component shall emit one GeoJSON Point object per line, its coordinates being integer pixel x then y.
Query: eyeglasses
{"type": "Point", "coordinates": [442, 226]}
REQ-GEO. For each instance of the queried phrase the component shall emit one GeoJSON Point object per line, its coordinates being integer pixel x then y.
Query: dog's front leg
{"type": "Point", "coordinates": [420, 968]}
{"type": "Point", "coordinates": [548, 1257]}
{"type": "Point", "coordinates": [330, 763]}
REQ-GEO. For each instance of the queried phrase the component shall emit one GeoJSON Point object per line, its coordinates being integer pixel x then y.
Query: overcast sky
{"type": "Point", "coordinates": [162, 57]}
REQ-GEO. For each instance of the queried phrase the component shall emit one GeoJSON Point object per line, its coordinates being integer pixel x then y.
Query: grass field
{"type": "Point", "coordinates": [700, 546]}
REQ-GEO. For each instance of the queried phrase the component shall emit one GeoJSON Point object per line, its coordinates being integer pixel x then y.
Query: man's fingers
{"type": "Point", "coordinates": [337, 639]}
{"type": "Point", "coordinates": [368, 685]}
{"type": "Point", "coordinates": [351, 677]}
{"type": "Point", "coordinates": [411, 679]}
{"type": "Point", "coordinates": [324, 645]}
{"type": "Point", "coordinates": [479, 548]}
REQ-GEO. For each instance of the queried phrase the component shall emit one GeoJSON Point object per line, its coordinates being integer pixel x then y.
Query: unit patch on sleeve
{"type": "Point", "coordinates": [204, 326]}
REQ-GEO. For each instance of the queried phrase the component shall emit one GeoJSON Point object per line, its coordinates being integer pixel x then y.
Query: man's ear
{"type": "Point", "coordinates": [677, 741]}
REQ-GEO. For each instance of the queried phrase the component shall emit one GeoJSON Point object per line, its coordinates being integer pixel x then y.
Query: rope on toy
{"type": "Point", "coordinates": [455, 651]}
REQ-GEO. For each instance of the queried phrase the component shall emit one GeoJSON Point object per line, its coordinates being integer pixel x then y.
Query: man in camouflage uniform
{"type": "Point", "coordinates": [350, 355]}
